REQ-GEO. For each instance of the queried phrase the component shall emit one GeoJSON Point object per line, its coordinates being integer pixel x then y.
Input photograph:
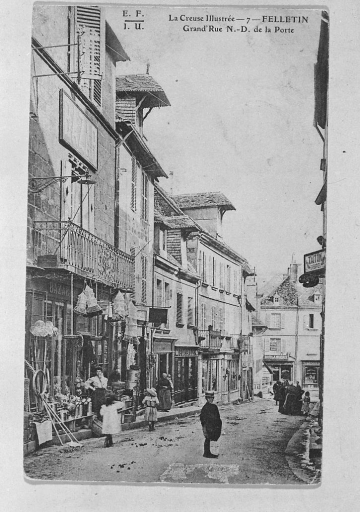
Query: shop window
{"type": "Point", "coordinates": [213, 375]}
{"type": "Point", "coordinates": [179, 310]}
{"type": "Point", "coordinates": [311, 376]}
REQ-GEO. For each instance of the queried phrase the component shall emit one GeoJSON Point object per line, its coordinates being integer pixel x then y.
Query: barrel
{"type": "Point", "coordinates": [132, 378]}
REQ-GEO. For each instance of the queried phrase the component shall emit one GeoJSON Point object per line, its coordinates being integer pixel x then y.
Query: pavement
{"type": "Point", "coordinates": [257, 452]}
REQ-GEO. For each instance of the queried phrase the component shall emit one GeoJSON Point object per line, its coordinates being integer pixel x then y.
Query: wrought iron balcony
{"type": "Point", "coordinates": [209, 339]}
{"type": "Point", "coordinates": [66, 245]}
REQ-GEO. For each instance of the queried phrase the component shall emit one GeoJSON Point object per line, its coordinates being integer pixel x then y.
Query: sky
{"type": "Point", "coordinates": [240, 121]}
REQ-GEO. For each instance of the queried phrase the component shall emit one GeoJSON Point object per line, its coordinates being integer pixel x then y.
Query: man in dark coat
{"type": "Point", "coordinates": [211, 424]}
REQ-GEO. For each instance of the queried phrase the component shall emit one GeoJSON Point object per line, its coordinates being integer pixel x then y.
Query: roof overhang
{"type": "Point", "coordinates": [140, 149]}
{"type": "Point", "coordinates": [114, 47]}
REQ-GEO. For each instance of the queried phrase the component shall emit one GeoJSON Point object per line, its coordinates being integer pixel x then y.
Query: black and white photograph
{"type": "Point", "coordinates": [181, 309]}
{"type": "Point", "coordinates": [176, 244]}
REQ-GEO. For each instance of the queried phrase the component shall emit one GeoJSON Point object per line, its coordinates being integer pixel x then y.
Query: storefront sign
{"type": "Point", "coordinates": [162, 346]}
{"type": "Point", "coordinates": [77, 132]}
{"type": "Point", "coordinates": [315, 262]}
{"type": "Point", "coordinates": [276, 356]}
{"type": "Point", "coordinates": [185, 352]}
{"type": "Point", "coordinates": [59, 289]}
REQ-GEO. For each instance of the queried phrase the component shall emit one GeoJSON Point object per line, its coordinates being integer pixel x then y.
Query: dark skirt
{"type": "Point", "coordinates": [98, 400]}
{"type": "Point", "coordinates": [164, 399]}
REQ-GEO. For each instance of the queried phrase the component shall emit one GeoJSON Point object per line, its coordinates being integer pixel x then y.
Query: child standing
{"type": "Point", "coordinates": [151, 402]}
{"type": "Point", "coordinates": [305, 409]}
{"type": "Point", "coordinates": [111, 419]}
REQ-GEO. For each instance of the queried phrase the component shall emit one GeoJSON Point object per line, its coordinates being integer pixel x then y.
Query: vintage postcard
{"type": "Point", "coordinates": [176, 244]}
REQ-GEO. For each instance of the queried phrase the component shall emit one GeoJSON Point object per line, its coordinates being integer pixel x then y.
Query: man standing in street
{"type": "Point", "coordinates": [211, 424]}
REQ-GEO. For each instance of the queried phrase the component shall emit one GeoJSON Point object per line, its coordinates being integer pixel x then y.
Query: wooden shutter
{"type": "Point", "coordinates": [133, 184]}
{"type": "Point", "coordinates": [190, 311]}
{"type": "Point", "coordinates": [179, 315]}
{"type": "Point", "coordinates": [283, 346]}
{"type": "Point", "coordinates": [267, 320]}
{"type": "Point", "coordinates": [88, 20]}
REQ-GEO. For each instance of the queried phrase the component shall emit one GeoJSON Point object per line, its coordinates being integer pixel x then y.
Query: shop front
{"type": "Point", "coordinates": [185, 374]}
{"type": "Point", "coordinates": [163, 355]}
{"type": "Point", "coordinates": [310, 378]}
{"type": "Point", "coordinates": [280, 366]}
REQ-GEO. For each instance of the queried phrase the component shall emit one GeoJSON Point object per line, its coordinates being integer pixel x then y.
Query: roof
{"type": "Point", "coordinates": [203, 200]}
{"type": "Point", "coordinates": [292, 294]}
{"type": "Point", "coordinates": [113, 45]}
{"type": "Point", "coordinates": [180, 222]}
{"type": "Point", "coordinates": [138, 85]}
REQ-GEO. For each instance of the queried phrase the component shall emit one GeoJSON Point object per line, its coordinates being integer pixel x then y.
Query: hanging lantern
{"type": "Point", "coordinates": [80, 307]}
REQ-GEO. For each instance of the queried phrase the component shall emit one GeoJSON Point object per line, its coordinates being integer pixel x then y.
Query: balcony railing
{"type": "Point", "coordinates": [210, 339]}
{"type": "Point", "coordinates": [67, 245]}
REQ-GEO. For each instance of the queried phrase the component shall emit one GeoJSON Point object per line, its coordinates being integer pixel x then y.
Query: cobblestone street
{"type": "Point", "coordinates": [251, 450]}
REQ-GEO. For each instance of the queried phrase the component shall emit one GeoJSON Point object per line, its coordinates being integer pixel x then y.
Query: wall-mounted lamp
{"type": "Point", "coordinates": [84, 179]}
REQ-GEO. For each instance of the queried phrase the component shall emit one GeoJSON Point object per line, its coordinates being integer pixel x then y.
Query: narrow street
{"type": "Point", "coordinates": [251, 451]}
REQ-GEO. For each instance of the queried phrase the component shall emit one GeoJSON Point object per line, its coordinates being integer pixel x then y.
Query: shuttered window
{"type": "Point", "coordinates": [88, 22]}
{"type": "Point", "coordinates": [190, 320]}
{"type": "Point", "coordinates": [159, 295]}
{"type": "Point", "coordinates": [214, 282]}
{"type": "Point", "coordinates": [179, 309]}
{"type": "Point", "coordinates": [133, 184]}
{"type": "Point", "coordinates": [145, 197]}
{"type": "Point", "coordinates": [203, 317]}
{"type": "Point", "coordinates": [143, 279]}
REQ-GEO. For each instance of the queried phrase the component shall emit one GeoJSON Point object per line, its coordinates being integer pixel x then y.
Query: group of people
{"type": "Point", "coordinates": [290, 398]}
{"type": "Point", "coordinates": [107, 408]}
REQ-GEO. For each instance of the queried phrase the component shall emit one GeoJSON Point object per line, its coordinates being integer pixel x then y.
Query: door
{"type": "Point", "coordinates": [179, 384]}
{"type": "Point", "coordinates": [190, 378]}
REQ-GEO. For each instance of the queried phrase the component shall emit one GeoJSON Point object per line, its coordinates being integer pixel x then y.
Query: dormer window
{"type": "Point", "coordinates": [163, 239]}
{"type": "Point", "coordinates": [276, 299]}
{"type": "Point", "coordinates": [317, 298]}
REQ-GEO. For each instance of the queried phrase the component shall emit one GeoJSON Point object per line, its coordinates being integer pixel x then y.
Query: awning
{"type": "Point", "coordinates": [267, 367]}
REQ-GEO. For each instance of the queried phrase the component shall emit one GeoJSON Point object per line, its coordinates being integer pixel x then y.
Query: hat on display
{"type": "Point", "coordinates": [209, 394]}
{"type": "Point", "coordinates": [151, 391]}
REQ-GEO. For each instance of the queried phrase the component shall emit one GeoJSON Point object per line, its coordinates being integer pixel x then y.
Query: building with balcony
{"type": "Point", "coordinates": [137, 172]}
{"type": "Point", "coordinates": [71, 243]}
{"type": "Point", "coordinates": [291, 341]}
{"type": "Point", "coordinates": [223, 319]}
{"type": "Point", "coordinates": [175, 289]}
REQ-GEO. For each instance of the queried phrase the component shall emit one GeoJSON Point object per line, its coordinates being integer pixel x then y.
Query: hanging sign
{"type": "Point", "coordinates": [315, 262]}
{"type": "Point", "coordinates": [77, 132]}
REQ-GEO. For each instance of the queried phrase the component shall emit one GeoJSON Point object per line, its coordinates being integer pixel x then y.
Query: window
{"type": "Point", "coordinates": [133, 184]}
{"type": "Point", "coordinates": [190, 320]}
{"type": "Point", "coordinates": [159, 296]}
{"type": "Point", "coordinates": [228, 277]}
{"type": "Point", "coordinates": [145, 197]}
{"type": "Point", "coordinates": [213, 317]}
{"type": "Point", "coordinates": [167, 295]}
{"type": "Point", "coordinates": [204, 268]}
{"type": "Point", "coordinates": [222, 275]}
{"type": "Point", "coordinates": [276, 299]}
{"type": "Point", "coordinates": [143, 279]}
{"type": "Point", "coordinates": [179, 309]}
{"type": "Point", "coordinates": [88, 25]}
{"type": "Point", "coordinates": [213, 281]}
{"type": "Point", "coordinates": [221, 319]}
{"type": "Point", "coordinates": [275, 344]}
{"type": "Point", "coordinates": [77, 202]}
{"type": "Point", "coordinates": [163, 236]}
{"type": "Point", "coordinates": [311, 376]}
{"type": "Point", "coordinates": [203, 317]}
{"type": "Point", "coordinates": [311, 321]}
{"type": "Point", "coordinates": [275, 321]}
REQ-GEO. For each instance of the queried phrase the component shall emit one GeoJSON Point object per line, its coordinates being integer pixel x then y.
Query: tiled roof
{"type": "Point", "coordinates": [292, 294]}
{"type": "Point", "coordinates": [142, 84]}
{"type": "Point", "coordinates": [203, 200]}
{"type": "Point", "coordinates": [180, 222]}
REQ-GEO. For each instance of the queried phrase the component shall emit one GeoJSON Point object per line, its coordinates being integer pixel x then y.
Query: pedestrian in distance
{"type": "Point", "coordinates": [211, 424]}
{"type": "Point", "coordinates": [276, 389]}
{"type": "Point", "coordinates": [164, 392]}
{"type": "Point", "coordinates": [151, 403]}
{"type": "Point", "coordinates": [305, 408]}
{"type": "Point", "coordinates": [111, 419]}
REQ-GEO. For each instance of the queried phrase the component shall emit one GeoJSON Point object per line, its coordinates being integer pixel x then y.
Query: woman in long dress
{"type": "Point", "coordinates": [164, 393]}
{"type": "Point", "coordinates": [151, 402]}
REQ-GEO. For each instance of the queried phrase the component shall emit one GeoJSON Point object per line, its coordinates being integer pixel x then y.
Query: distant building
{"type": "Point", "coordinates": [223, 320]}
{"type": "Point", "coordinates": [292, 315]}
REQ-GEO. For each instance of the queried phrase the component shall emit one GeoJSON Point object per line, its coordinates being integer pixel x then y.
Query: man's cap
{"type": "Point", "coordinates": [209, 394]}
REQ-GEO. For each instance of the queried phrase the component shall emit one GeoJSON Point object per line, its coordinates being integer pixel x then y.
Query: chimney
{"type": "Point", "coordinates": [293, 272]}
